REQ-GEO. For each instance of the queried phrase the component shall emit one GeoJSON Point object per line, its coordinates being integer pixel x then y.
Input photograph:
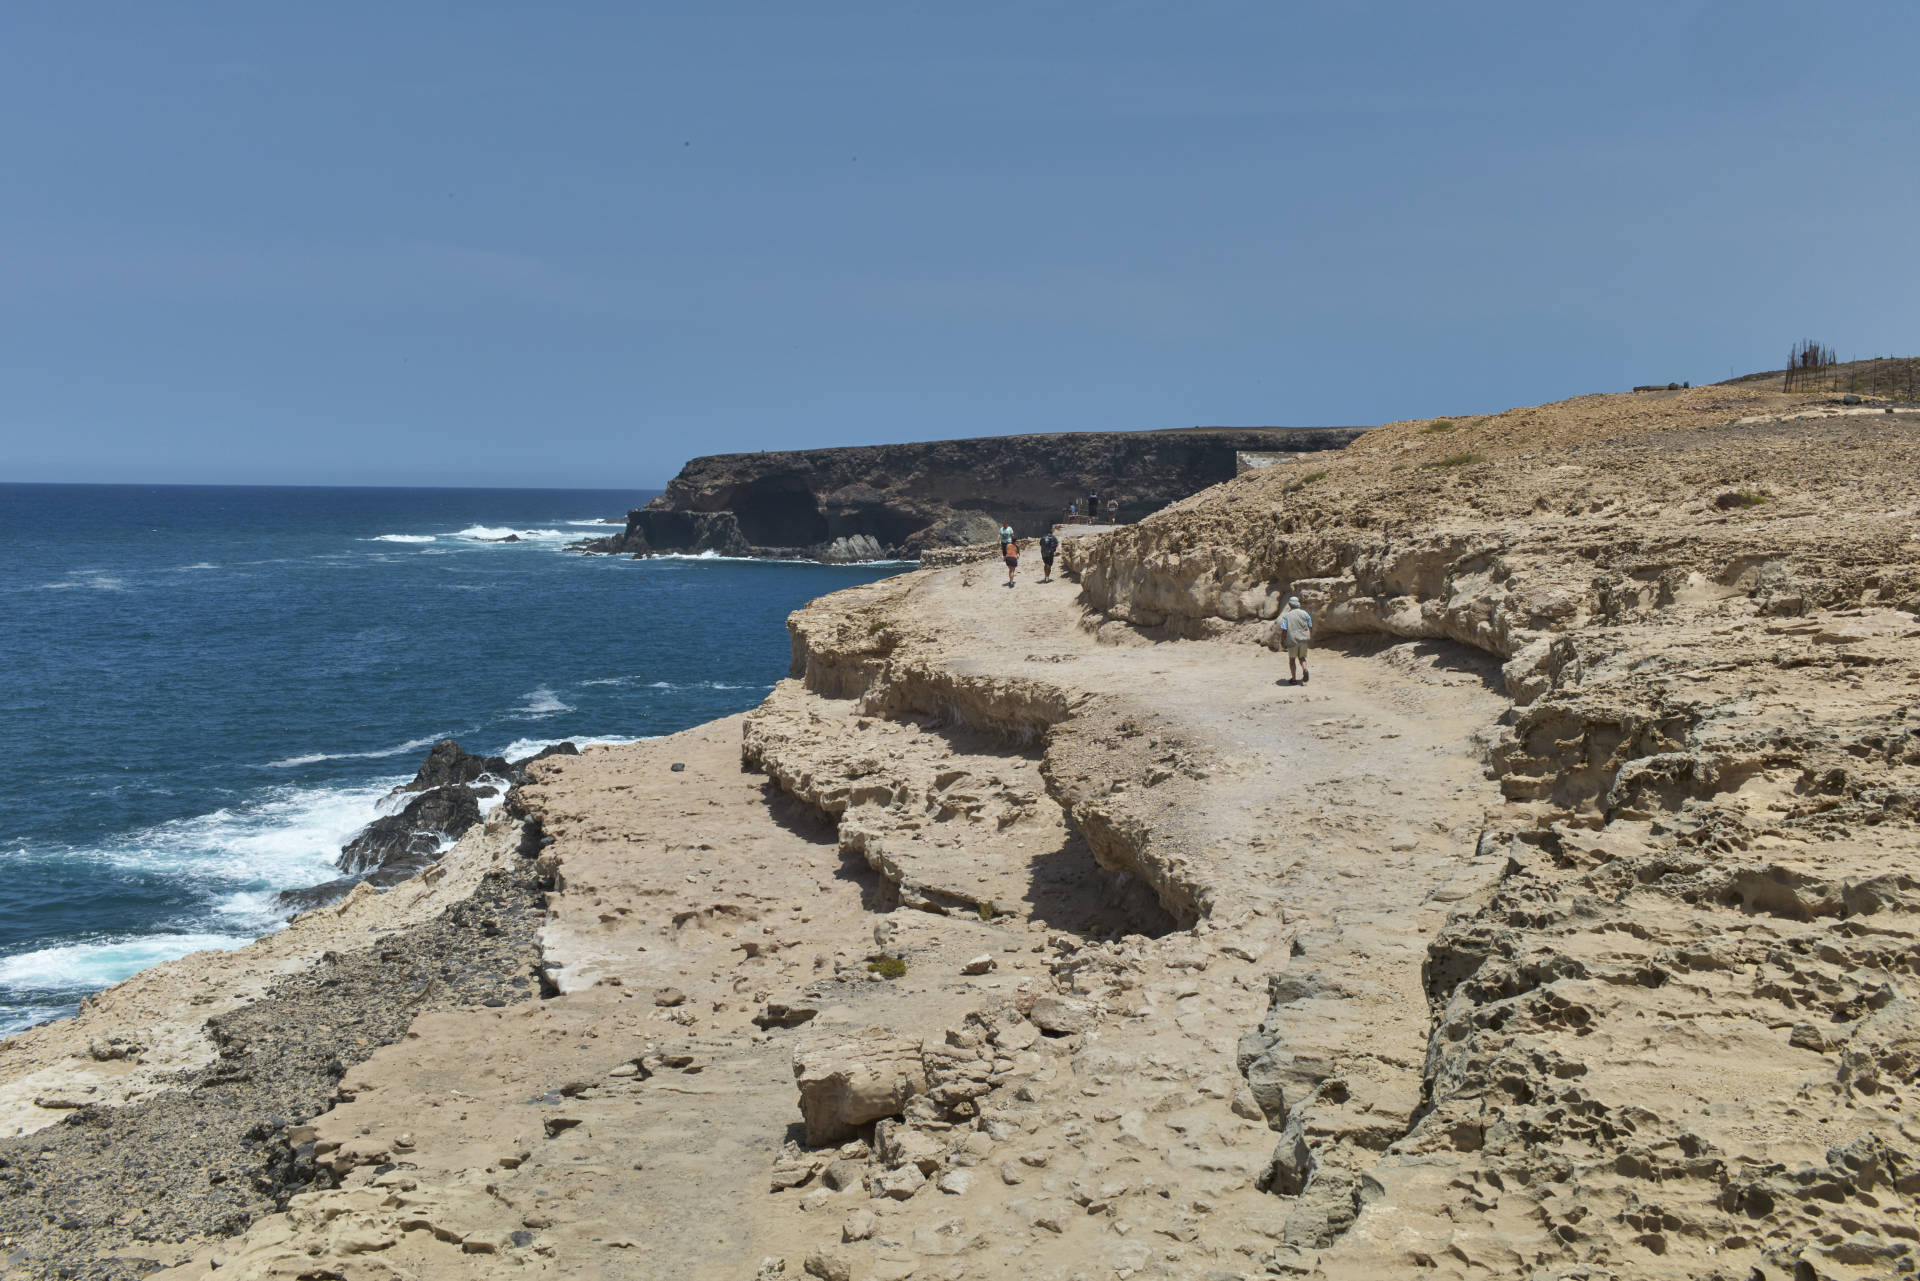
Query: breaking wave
{"type": "Point", "coordinates": [314, 758]}
{"type": "Point", "coordinates": [537, 705]}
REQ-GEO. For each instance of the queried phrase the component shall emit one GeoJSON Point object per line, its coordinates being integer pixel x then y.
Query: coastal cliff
{"type": "Point", "coordinates": [1562, 925]}
{"type": "Point", "coordinates": [881, 501]}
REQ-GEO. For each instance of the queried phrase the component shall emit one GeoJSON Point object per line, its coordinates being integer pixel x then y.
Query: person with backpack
{"type": "Point", "coordinates": [1296, 632]}
{"type": "Point", "coordinates": [1010, 552]}
{"type": "Point", "coordinates": [1049, 545]}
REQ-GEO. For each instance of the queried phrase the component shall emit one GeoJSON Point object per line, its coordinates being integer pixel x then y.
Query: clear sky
{"type": "Point", "coordinates": [575, 244]}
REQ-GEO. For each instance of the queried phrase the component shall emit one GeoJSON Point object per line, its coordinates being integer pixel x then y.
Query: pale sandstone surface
{"type": "Point", "coordinates": [1674, 1039]}
{"type": "Point", "coordinates": [1563, 926]}
{"type": "Point", "coordinates": [1124, 1133]}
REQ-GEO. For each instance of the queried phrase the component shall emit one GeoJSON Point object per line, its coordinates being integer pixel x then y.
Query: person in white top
{"type": "Point", "coordinates": [1296, 631]}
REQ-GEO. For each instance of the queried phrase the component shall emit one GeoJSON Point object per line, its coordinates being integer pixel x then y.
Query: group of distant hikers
{"type": "Point", "coordinates": [1090, 514]}
{"type": "Point", "coordinates": [1295, 624]}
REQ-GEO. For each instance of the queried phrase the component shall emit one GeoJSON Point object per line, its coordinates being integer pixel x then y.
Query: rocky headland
{"type": "Point", "coordinates": [1565, 925]}
{"type": "Point", "coordinates": [877, 502]}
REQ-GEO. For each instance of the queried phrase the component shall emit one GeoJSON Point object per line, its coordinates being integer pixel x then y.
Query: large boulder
{"type": "Point", "coordinates": [961, 529]}
{"type": "Point", "coordinates": [847, 1079]}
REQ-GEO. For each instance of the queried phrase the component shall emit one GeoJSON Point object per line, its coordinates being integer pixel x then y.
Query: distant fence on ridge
{"type": "Point", "coordinates": [1894, 377]}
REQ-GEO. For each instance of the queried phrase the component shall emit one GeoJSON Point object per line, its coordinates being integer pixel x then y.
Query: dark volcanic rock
{"type": "Point", "coordinates": [396, 846]}
{"type": "Point", "coordinates": [449, 763]}
{"type": "Point", "coordinates": [517, 773]}
{"type": "Point", "coordinates": [295, 902]}
{"type": "Point", "coordinates": [393, 848]}
{"type": "Point", "coordinates": [824, 503]}
{"type": "Point", "coordinates": [676, 531]}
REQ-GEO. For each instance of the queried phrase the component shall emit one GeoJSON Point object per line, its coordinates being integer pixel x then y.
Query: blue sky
{"type": "Point", "coordinates": [575, 244]}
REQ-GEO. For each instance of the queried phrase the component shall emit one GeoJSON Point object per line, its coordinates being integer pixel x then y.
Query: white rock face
{"type": "Point", "coordinates": [852, 548]}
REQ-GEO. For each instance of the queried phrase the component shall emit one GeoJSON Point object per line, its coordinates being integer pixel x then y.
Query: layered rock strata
{"type": "Point", "coordinates": [878, 501]}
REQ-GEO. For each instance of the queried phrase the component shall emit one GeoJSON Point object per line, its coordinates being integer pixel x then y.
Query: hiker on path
{"type": "Point", "coordinates": [1093, 506]}
{"type": "Point", "coordinates": [1113, 511]}
{"type": "Point", "coordinates": [1010, 552]}
{"type": "Point", "coordinates": [1296, 632]}
{"type": "Point", "coordinates": [1073, 511]}
{"type": "Point", "coordinates": [1048, 546]}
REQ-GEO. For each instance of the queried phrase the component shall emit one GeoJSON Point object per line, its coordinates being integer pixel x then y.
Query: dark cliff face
{"type": "Point", "coordinates": [894, 500]}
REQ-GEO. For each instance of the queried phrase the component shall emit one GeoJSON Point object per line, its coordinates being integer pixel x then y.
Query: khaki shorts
{"type": "Point", "coordinates": [1296, 651]}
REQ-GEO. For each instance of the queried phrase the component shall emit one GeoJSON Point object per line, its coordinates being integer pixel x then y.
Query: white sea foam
{"type": "Point", "coordinates": [411, 745]}
{"type": "Point", "coordinates": [88, 966]}
{"type": "Point", "coordinates": [597, 521]}
{"type": "Point", "coordinates": [494, 533]}
{"type": "Point", "coordinates": [98, 580]}
{"type": "Point", "coordinates": [521, 748]}
{"type": "Point", "coordinates": [399, 538]}
{"type": "Point", "coordinates": [204, 564]}
{"type": "Point", "coordinates": [539, 704]}
{"type": "Point", "coordinates": [698, 685]}
{"type": "Point", "coordinates": [284, 838]}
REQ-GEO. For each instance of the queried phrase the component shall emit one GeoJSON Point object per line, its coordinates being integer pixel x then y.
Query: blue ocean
{"type": "Point", "coordinates": [205, 691]}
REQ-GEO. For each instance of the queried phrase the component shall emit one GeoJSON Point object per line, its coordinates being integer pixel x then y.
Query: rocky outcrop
{"type": "Point", "coordinates": [850, 1081]}
{"type": "Point", "coordinates": [883, 501]}
{"type": "Point", "coordinates": [390, 849]}
{"type": "Point", "coordinates": [1696, 608]}
{"type": "Point", "coordinates": [448, 764]}
{"type": "Point", "coordinates": [445, 797]}
{"type": "Point", "coordinates": [1634, 1045]}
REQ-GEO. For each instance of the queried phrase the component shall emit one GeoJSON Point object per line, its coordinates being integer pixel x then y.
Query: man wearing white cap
{"type": "Point", "coordinates": [1296, 631]}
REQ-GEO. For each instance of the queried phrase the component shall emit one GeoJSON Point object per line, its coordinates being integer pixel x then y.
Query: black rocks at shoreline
{"type": "Point", "coordinates": [450, 785]}
{"type": "Point", "coordinates": [449, 763]}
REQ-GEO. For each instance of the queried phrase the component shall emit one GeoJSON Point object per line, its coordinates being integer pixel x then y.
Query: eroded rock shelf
{"type": "Point", "coordinates": [1564, 925]}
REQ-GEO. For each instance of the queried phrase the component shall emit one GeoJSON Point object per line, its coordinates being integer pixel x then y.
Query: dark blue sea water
{"type": "Point", "coordinates": [205, 691]}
